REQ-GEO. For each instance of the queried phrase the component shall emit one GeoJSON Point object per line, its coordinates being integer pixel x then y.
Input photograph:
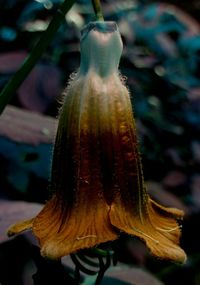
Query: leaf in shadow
{"type": "Point", "coordinates": [14, 261]}
{"type": "Point", "coordinates": [23, 126]}
{"type": "Point", "coordinates": [196, 190]}
{"type": "Point", "coordinates": [164, 197]}
{"type": "Point", "coordinates": [132, 276]}
{"type": "Point", "coordinates": [50, 271]}
{"type": "Point", "coordinates": [11, 61]}
{"type": "Point", "coordinates": [106, 281]}
{"type": "Point", "coordinates": [174, 178]}
{"type": "Point", "coordinates": [40, 88]}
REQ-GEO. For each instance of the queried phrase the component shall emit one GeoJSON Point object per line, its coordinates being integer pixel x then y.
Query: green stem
{"type": "Point", "coordinates": [10, 88]}
{"type": "Point", "coordinates": [98, 10]}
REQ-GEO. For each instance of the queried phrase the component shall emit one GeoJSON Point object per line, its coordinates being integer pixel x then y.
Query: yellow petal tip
{"type": "Point", "coordinates": [19, 227]}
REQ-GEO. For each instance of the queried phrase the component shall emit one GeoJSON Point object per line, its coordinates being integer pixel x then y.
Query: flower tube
{"type": "Point", "coordinates": [97, 181]}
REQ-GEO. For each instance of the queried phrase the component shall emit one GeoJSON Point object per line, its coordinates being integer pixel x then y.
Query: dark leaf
{"type": "Point", "coordinates": [11, 61]}
{"type": "Point", "coordinates": [40, 88]}
{"type": "Point", "coordinates": [26, 127]}
{"type": "Point", "coordinates": [164, 197]}
{"type": "Point", "coordinates": [132, 275]}
{"type": "Point", "coordinates": [196, 190]}
{"type": "Point", "coordinates": [174, 178]}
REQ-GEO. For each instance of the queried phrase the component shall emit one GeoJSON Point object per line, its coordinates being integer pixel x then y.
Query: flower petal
{"type": "Point", "coordinates": [158, 228]}
{"type": "Point", "coordinates": [20, 227]}
{"type": "Point", "coordinates": [82, 227]}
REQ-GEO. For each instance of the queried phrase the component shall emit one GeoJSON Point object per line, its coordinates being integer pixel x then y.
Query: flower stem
{"type": "Point", "coordinates": [10, 88]}
{"type": "Point", "coordinates": [98, 10]}
{"type": "Point", "coordinates": [103, 267]}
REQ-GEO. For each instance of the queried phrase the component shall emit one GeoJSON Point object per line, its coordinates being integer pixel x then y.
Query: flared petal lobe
{"type": "Point", "coordinates": [159, 228]}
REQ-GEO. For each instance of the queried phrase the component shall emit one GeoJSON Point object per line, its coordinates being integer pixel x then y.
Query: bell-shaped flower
{"type": "Point", "coordinates": [97, 181]}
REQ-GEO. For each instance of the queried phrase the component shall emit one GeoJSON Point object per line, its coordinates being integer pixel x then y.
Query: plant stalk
{"type": "Point", "coordinates": [98, 10]}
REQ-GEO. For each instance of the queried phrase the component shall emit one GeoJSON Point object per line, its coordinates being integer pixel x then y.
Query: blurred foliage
{"type": "Point", "coordinates": [25, 161]}
{"type": "Point", "coordinates": [161, 63]}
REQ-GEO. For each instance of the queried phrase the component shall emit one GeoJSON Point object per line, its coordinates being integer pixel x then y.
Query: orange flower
{"type": "Point", "coordinates": [97, 181]}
